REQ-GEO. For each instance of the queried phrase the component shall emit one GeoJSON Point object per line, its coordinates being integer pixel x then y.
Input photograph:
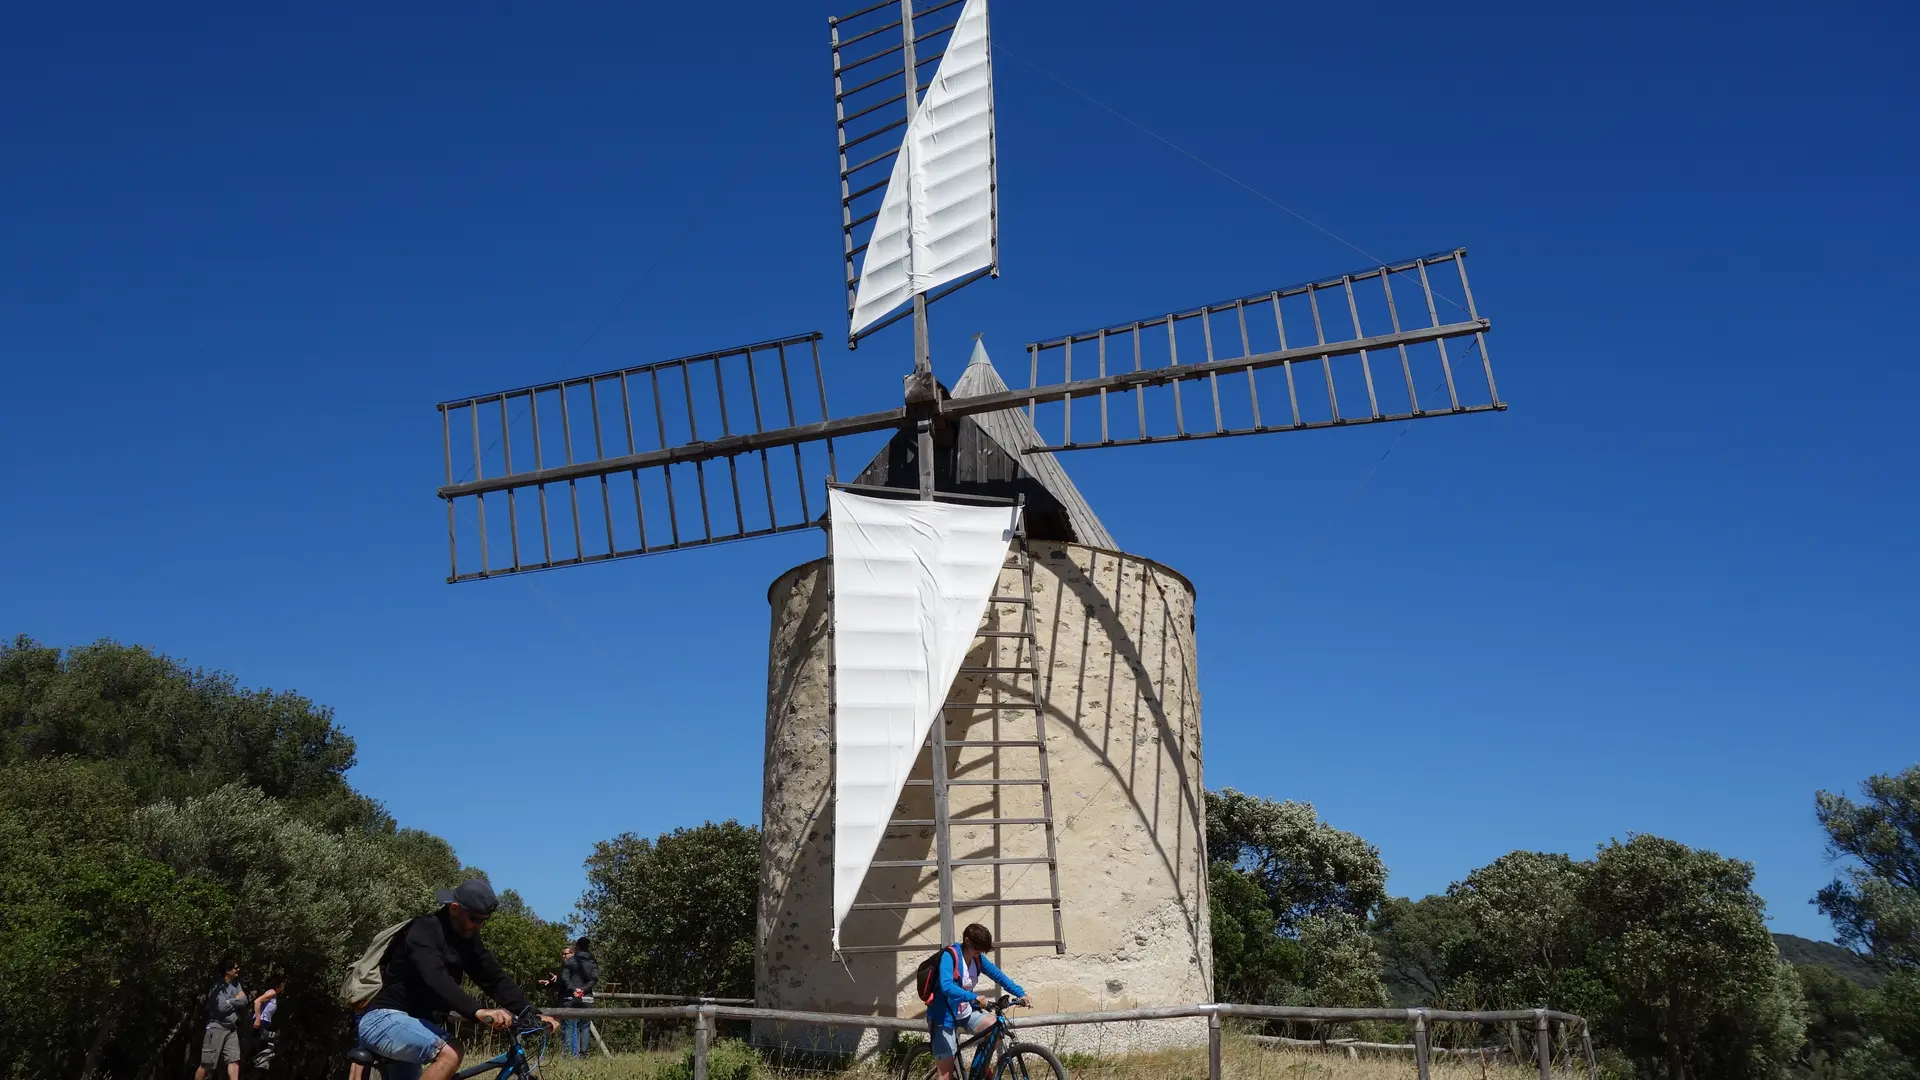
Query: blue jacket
{"type": "Point", "coordinates": [951, 993]}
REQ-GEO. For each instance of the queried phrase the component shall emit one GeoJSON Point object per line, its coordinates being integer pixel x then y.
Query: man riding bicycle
{"type": "Point", "coordinates": [406, 1021]}
{"type": "Point", "coordinates": [955, 1002]}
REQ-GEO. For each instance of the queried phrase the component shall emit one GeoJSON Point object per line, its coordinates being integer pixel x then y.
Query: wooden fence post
{"type": "Point", "coordinates": [1422, 1056]}
{"type": "Point", "coordinates": [1586, 1044]}
{"type": "Point", "coordinates": [1542, 1045]}
{"type": "Point", "coordinates": [702, 1036]}
{"type": "Point", "coordinates": [1214, 1070]}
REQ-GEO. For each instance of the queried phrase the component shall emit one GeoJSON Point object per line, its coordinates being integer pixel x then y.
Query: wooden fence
{"type": "Point", "coordinates": [1543, 1021]}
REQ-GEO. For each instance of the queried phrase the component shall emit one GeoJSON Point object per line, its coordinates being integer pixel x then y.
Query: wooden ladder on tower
{"type": "Point", "coordinates": [1021, 673]}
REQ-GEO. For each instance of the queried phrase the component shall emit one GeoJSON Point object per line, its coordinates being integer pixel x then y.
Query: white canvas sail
{"type": "Point", "coordinates": [935, 223]}
{"type": "Point", "coordinates": [911, 581]}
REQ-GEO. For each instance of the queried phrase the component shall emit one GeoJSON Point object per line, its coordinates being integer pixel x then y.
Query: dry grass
{"type": "Point", "coordinates": [1244, 1060]}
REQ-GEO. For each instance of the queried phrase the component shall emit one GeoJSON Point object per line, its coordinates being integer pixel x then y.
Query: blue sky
{"type": "Point", "coordinates": [1672, 590]}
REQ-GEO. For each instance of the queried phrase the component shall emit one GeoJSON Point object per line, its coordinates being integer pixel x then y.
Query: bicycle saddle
{"type": "Point", "coordinates": [360, 1055]}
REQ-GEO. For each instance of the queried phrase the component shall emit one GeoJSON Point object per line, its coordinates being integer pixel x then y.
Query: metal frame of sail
{"type": "Point", "coordinates": [1104, 386]}
{"type": "Point", "coordinates": [865, 108]}
{"type": "Point", "coordinates": [649, 403]}
{"type": "Point", "coordinates": [1217, 326]}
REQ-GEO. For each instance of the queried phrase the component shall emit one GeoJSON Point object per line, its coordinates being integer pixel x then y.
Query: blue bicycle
{"type": "Point", "coordinates": [513, 1063]}
{"type": "Point", "coordinates": [1016, 1060]}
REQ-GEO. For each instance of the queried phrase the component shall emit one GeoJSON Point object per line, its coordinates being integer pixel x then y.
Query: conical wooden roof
{"type": "Point", "coordinates": [1013, 429]}
{"type": "Point", "coordinates": [983, 455]}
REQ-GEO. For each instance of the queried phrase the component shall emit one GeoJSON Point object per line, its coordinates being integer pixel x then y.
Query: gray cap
{"type": "Point", "coordinates": [475, 896]}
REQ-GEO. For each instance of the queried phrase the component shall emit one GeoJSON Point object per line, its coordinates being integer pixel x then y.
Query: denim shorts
{"type": "Point", "coordinates": [407, 1042]}
{"type": "Point", "coordinates": [946, 1041]}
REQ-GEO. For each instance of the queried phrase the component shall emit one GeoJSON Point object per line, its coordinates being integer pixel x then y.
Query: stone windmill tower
{"type": "Point", "coordinates": [979, 707]}
{"type": "Point", "coordinates": [1076, 805]}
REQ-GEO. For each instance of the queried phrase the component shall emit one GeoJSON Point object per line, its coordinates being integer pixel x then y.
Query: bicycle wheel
{"type": "Point", "coordinates": [919, 1064]}
{"type": "Point", "coordinates": [1026, 1061]}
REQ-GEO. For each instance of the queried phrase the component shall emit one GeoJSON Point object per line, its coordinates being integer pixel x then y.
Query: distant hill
{"type": "Point", "coordinates": [1809, 953]}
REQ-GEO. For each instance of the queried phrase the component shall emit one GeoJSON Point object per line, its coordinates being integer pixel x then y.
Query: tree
{"type": "Point", "coordinates": [527, 945]}
{"type": "Point", "coordinates": [1875, 908]}
{"type": "Point", "coordinates": [675, 915]}
{"type": "Point", "coordinates": [156, 817]}
{"type": "Point", "coordinates": [1252, 965]}
{"type": "Point", "coordinates": [305, 900]}
{"type": "Point", "coordinates": [1836, 1010]}
{"type": "Point", "coordinates": [99, 945]}
{"type": "Point", "coordinates": [175, 731]}
{"type": "Point", "coordinates": [1891, 1050]}
{"type": "Point", "coordinates": [1522, 932]}
{"type": "Point", "coordinates": [1682, 941]}
{"type": "Point", "coordinates": [1662, 947]}
{"type": "Point", "coordinates": [1303, 865]}
{"type": "Point", "coordinates": [1875, 902]}
{"type": "Point", "coordinates": [1418, 940]}
{"type": "Point", "coordinates": [1342, 962]}
{"type": "Point", "coordinates": [1290, 897]}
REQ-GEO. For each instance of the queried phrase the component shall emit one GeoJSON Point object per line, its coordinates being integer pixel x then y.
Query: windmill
{"type": "Point", "coordinates": [740, 443]}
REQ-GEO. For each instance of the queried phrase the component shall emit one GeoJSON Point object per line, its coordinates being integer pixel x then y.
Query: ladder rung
{"type": "Point", "coordinates": [928, 823]}
{"type": "Point", "coordinates": [999, 671]}
{"type": "Point", "coordinates": [958, 905]}
{"type": "Point", "coordinates": [923, 946]}
{"type": "Point", "coordinates": [980, 783]}
{"type": "Point", "coordinates": [991, 705]}
{"type": "Point", "coordinates": [1050, 943]}
{"type": "Point", "coordinates": [996, 783]}
{"type": "Point", "coordinates": [993, 742]}
{"type": "Point", "coordinates": [902, 864]}
{"type": "Point", "coordinates": [1008, 600]}
{"type": "Point", "coordinates": [1003, 633]}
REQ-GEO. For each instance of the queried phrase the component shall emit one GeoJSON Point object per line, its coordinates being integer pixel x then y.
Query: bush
{"type": "Point", "coordinates": [728, 1059]}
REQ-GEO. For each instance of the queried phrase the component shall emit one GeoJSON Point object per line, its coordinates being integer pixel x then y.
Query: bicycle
{"type": "Point", "coordinates": [513, 1063]}
{"type": "Point", "coordinates": [1013, 1061]}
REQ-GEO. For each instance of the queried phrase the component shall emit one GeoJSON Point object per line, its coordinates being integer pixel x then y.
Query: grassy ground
{"type": "Point", "coordinates": [1244, 1060]}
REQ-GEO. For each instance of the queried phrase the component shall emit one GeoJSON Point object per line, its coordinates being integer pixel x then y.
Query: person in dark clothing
{"type": "Point", "coordinates": [579, 974]}
{"type": "Point", "coordinates": [420, 985]}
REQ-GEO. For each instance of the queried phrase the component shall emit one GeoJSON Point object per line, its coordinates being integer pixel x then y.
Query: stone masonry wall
{"type": "Point", "coordinates": [1118, 678]}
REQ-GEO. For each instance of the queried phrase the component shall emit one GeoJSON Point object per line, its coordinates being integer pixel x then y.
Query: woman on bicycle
{"type": "Point", "coordinates": [955, 1001]}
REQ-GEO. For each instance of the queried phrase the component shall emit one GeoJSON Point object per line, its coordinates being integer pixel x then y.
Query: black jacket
{"type": "Point", "coordinates": [579, 973]}
{"type": "Point", "coordinates": [423, 968]}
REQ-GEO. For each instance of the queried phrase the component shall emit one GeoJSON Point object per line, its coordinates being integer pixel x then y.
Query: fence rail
{"type": "Point", "coordinates": [1420, 1020]}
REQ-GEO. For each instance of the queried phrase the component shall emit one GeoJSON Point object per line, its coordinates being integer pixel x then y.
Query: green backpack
{"type": "Point", "coordinates": [364, 979]}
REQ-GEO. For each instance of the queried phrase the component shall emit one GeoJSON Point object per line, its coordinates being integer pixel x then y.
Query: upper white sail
{"type": "Point", "coordinates": [911, 582]}
{"type": "Point", "coordinates": [936, 220]}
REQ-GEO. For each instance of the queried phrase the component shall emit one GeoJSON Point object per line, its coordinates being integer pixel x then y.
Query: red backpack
{"type": "Point", "coordinates": [926, 978]}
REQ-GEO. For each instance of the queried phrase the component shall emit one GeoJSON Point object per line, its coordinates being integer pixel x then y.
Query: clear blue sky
{"type": "Point", "coordinates": [1671, 591]}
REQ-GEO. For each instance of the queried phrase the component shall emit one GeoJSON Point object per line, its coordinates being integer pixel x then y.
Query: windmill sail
{"type": "Point", "coordinates": [911, 581]}
{"type": "Point", "coordinates": [936, 222]}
